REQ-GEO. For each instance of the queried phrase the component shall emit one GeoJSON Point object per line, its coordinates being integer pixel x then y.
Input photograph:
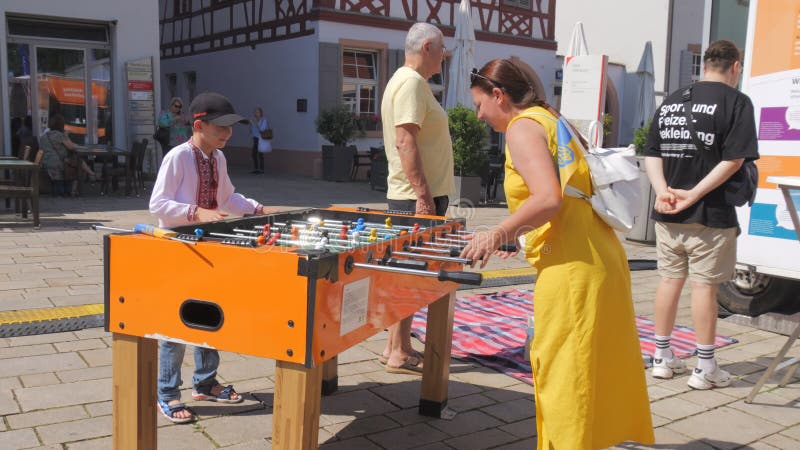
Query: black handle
{"type": "Point", "coordinates": [473, 278]}
{"type": "Point", "coordinates": [508, 247]}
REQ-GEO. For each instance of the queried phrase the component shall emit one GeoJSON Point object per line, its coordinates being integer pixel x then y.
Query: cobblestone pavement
{"type": "Point", "coordinates": [55, 389]}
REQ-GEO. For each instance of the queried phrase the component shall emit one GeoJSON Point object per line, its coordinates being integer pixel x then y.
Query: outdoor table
{"type": "Point", "coordinates": [29, 188]}
{"type": "Point", "coordinates": [109, 158]}
{"type": "Point", "coordinates": [790, 186]}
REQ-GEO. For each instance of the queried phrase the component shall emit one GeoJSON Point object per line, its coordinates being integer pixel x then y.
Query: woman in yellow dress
{"type": "Point", "coordinates": [588, 373]}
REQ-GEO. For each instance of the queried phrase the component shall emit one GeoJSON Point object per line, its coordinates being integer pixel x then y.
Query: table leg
{"type": "Point", "coordinates": [295, 414]}
{"type": "Point", "coordinates": [777, 360]}
{"type": "Point", "coordinates": [436, 368]}
{"type": "Point", "coordinates": [330, 376]}
{"type": "Point", "coordinates": [134, 372]}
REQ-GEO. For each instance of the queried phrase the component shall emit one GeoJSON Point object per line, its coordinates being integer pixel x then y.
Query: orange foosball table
{"type": "Point", "coordinates": [298, 287]}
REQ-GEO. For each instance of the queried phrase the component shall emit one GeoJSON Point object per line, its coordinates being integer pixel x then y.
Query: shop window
{"type": "Point", "coordinates": [360, 86]}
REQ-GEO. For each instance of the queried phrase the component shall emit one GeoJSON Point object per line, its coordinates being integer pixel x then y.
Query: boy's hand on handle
{"type": "Point", "coordinates": [210, 215]}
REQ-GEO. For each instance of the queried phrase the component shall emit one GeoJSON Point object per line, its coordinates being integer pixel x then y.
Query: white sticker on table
{"type": "Point", "coordinates": [355, 298]}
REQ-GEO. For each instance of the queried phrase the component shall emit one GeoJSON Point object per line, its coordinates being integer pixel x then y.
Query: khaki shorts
{"type": "Point", "coordinates": [705, 254]}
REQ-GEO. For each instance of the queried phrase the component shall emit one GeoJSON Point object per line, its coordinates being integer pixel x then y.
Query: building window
{"type": "Point", "coordinates": [524, 4]}
{"type": "Point", "coordinates": [360, 86]}
{"type": "Point", "coordinates": [697, 63]}
{"type": "Point", "coordinates": [172, 86]}
{"type": "Point", "coordinates": [190, 80]}
{"type": "Point", "coordinates": [182, 7]}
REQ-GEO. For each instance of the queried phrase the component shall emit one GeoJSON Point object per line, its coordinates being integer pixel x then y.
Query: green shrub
{"type": "Point", "coordinates": [338, 125]}
{"type": "Point", "coordinates": [469, 136]}
{"type": "Point", "coordinates": [640, 137]}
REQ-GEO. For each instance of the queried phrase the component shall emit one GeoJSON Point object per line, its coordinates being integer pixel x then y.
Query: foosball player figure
{"type": "Point", "coordinates": [193, 187]}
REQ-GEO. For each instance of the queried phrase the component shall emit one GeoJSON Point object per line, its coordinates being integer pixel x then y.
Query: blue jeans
{"type": "Point", "coordinates": [170, 357]}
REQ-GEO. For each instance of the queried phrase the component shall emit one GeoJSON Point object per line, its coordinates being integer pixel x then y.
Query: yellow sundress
{"type": "Point", "coordinates": [588, 374]}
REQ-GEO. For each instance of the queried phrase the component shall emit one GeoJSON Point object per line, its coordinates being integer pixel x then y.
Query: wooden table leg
{"type": "Point", "coordinates": [134, 372]}
{"type": "Point", "coordinates": [330, 376]}
{"type": "Point", "coordinates": [295, 414]}
{"type": "Point", "coordinates": [436, 368]}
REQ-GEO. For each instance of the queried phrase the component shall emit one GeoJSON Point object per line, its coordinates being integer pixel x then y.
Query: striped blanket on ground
{"type": "Point", "coordinates": [490, 329]}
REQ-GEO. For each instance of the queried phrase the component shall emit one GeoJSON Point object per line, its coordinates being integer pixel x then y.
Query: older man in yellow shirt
{"type": "Point", "coordinates": [420, 154]}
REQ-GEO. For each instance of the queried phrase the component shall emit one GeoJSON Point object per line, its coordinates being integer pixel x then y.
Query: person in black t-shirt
{"type": "Point", "coordinates": [695, 228]}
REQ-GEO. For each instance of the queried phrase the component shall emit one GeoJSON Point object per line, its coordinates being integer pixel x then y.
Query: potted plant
{"type": "Point", "coordinates": [338, 126]}
{"type": "Point", "coordinates": [469, 136]}
{"type": "Point", "coordinates": [643, 231]}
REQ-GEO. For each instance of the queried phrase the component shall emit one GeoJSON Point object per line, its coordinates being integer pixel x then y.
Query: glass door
{"type": "Point", "coordinates": [61, 89]}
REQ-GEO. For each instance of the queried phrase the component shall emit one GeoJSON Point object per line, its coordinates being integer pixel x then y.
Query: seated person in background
{"type": "Point", "coordinates": [60, 159]}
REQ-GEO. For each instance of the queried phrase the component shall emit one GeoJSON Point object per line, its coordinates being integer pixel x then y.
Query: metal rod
{"type": "Point", "coordinates": [434, 257]}
{"type": "Point", "coordinates": [423, 273]}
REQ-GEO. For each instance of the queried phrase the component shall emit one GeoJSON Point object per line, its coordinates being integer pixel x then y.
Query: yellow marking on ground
{"type": "Point", "coordinates": [508, 273]}
{"type": "Point", "coordinates": [41, 314]}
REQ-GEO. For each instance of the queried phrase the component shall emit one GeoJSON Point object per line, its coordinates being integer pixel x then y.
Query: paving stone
{"type": "Point", "coordinates": [358, 443]}
{"type": "Point", "coordinates": [466, 422]}
{"type": "Point", "coordinates": [792, 432]}
{"type": "Point", "coordinates": [469, 402]}
{"type": "Point", "coordinates": [231, 430]}
{"type": "Point", "coordinates": [708, 399]}
{"type": "Point", "coordinates": [48, 338]}
{"type": "Point", "coordinates": [91, 373]}
{"type": "Point", "coordinates": [526, 444]}
{"type": "Point", "coordinates": [8, 404]}
{"type": "Point", "coordinates": [513, 392]}
{"type": "Point", "coordinates": [99, 408]}
{"type": "Point", "coordinates": [360, 367]}
{"type": "Point", "coordinates": [771, 407]}
{"type": "Point", "coordinates": [675, 408]}
{"type": "Point", "coordinates": [361, 427]}
{"type": "Point", "coordinates": [89, 333]}
{"type": "Point", "coordinates": [668, 438]}
{"type": "Point", "coordinates": [512, 411]}
{"type": "Point", "coordinates": [356, 382]}
{"type": "Point", "coordinates": [722, 424]}
{"type": "Point", "coordinates": [257, 444]}
{"type": "Point", "coordinates": [522, 429]}
{"type": "Point", "coordinates": [9, 383]}
{"type": "Point", "coordinates": [656, 392]}
{"type": "Point", "coordinates": [187, 437]}
{"type": "Point", "coordinates": [403, 394]}
{"type": "Point", "coordinates": [39, 379]}
{"type": "Point", "coordinates": [46, 417]}
{"type": "Point", "coordinates": [27, 350]}
{"type": "Point", "coordinates": [411, 436]}
{"type": "Point", "coordinates": [75, 431]}
{"type": "Point", "coordinates": [92, 444]}
{"type": "Point", "coordinates": [780, 441]}
{"type": "Point", "coordinates": [352, 405]}
{"type": "Point", "coordinates": [356, 354]}
{"type": "Point", "coordinates": [408, 416]}
{"type": "Point", "coordinates": [41, 364]}
{"type": "Point", "coordinates": [481, 440]}
{"type": "Point", "coordinates": [246, 369]}
{"type": "Point", "coordinates": [85, 344]}
{"type": "Point", "coordinates": [65, 394]}
{"type": "Point", "coordinates": [484, 377]}
{"type": "Point", "coordinates": [97, 358]}
{"type": "Point", "coordinates": [16, 439]}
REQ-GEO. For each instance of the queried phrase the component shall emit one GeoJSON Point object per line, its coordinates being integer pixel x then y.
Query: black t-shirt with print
{"type": "Point", "coordinates": [724, 122]}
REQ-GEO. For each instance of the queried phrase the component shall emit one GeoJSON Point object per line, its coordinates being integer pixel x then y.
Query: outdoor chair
{"type": "Point", "coordinates": [137, 165]}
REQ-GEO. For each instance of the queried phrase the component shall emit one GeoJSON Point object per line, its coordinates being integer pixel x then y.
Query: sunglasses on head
{"type": "Point", "coordinates": [474, 74]}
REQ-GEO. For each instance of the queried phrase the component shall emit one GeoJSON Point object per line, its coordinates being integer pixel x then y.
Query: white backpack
{"type": "Point", "coordinates": [615, 181]}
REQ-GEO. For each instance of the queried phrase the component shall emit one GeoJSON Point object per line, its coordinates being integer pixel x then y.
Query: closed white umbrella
{"type": "Point", "coordinates": [577, 43]}
{"type": "Point", "coordinates": [463, 59]}
{"type": "Point", "coordinates": [646, 97]}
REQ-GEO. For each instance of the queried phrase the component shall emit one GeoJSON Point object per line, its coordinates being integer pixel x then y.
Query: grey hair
{"type": "Point", "coordinates": [418, 34]}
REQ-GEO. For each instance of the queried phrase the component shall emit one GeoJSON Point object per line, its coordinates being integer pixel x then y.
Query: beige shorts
{"type": "Point", "coordinates": [705, 254]}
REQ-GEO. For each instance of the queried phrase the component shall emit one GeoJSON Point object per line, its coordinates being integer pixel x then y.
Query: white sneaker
{"type": "Point", "coordinates": [667, 368]}
{"type": "Point", "coordinates": [702, 379]}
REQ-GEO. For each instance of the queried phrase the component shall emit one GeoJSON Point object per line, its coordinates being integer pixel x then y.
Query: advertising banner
{"type": "Point", "coordinates": [772, 80]}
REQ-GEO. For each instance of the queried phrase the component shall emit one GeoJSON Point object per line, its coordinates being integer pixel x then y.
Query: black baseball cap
{"type": "Point", "coordinates": [214, 108]}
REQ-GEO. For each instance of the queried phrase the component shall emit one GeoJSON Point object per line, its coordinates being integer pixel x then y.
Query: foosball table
{"type": "Point", "coordinates": [298, 287]}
